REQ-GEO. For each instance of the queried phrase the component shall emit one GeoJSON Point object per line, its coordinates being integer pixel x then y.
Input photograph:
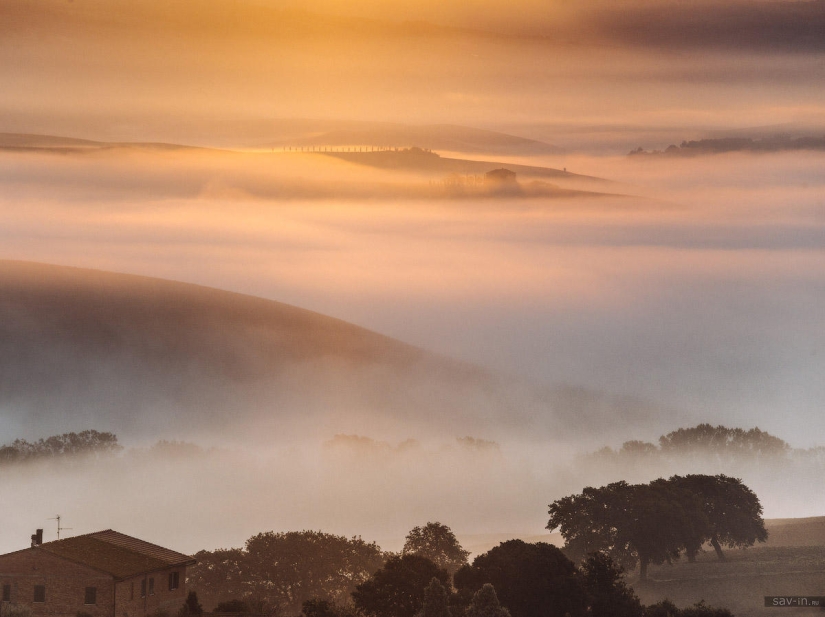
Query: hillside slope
{"type": "Point", "coordinates": [83, 348]}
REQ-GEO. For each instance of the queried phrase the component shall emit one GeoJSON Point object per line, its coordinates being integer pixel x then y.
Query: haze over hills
{"type": "Point", "coordinates": [447, 137]}
{"type": "Point", "coordinates": [429, 162]}
{"type": "Point", "coordinates": [290, 172]}
{"type": "Point", "coordinates": [282, 133]}
{"type": "Point", "coordinates": [146, 357]}
{"type": "Point", "coordinates": [82, 346]}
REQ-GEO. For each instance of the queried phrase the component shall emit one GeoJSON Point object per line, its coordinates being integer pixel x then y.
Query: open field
{"type": "Point", "coordinates": [791, 563]}
{"type": "Point", "coordinates": [741, 583]}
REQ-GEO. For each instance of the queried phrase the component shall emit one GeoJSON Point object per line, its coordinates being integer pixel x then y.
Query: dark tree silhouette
{"type": "Point", "coordinates": [436, 601]}
{"type": "Point", "coordinates": [283, 570]}
{"type": "Point", "coordinates": [85, 443]}
{"type": "Point", "coordinates": [397, 589]}
{"type": "Point", "coordinates": [191, 608]}
{"type": "Point", "coordinates": [609, 595]}
{"type": "Point", "coordinates": [638, 523]}
{"type": "Point", "coordinates": [733, 512]}
{"type": "Point", "coordinates": [723, 443]}
{"type": "Point", "coordinates": [485, 604]}
{"type": "Point", "coordinates": [532, 580]}
{"type": "Point", "coordinates": [437, 543]}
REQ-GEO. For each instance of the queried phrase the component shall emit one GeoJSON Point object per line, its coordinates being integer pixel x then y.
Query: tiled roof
{"type": "Point", "coordinates": [115, 553]}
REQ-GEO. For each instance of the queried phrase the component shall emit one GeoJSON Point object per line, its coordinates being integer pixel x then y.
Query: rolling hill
{"type": "Point", "coordinates": [149, 358]}
{"type": "Point", "coordinates": [140, 356]}
{"type": "Point", "coordinates": [418, 161]}
{"type": "Point", "coordinates": [449, 137]}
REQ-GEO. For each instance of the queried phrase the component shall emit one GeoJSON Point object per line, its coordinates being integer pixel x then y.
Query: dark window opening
{"type": "Point", "coordinates": [39, 593]}
{"type": "Point", "coordinates": [174, 580]}
{"type": "Point", "coordinates": [151, 586]}
{"type": "Point", "coordinates": [143, 588]}
{"type": "Point", "coordinates": [91, 595]}
{"type": "Point", "coordinates": [6, 593]}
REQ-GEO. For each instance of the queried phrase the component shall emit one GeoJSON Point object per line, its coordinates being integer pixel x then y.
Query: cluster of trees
{"type": "Point", "coordinates": [84, 443]}
{"type": "Point", "coordinates": [514, 579]}
{"type": "Point", "coordinates": [656, 522]}
{"type": "Point", "coordinates": [280, 571]}
{"type": "Point", "coordinates": [718, 444]}
{"type": "Point", "coordinates": [321, 575]}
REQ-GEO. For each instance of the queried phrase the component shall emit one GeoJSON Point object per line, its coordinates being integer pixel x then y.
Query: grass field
{"type": "Point", "coordinates": [741, 582]}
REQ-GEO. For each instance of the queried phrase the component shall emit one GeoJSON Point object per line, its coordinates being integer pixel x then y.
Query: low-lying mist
{"type": "Point", "coordinates": [698, 300]}
{"type": "Point", "coordinates": [189, 497]}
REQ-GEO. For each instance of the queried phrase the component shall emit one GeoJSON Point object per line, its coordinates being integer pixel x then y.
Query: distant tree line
{"type": "Point", "coordinates": [321, 575]}
{"type": "Point", "coordinates": [736, 144]}
{"type": "Point", "coordinates": [705, 441]}
{"type": "Point", "coordinates": [84, 443]}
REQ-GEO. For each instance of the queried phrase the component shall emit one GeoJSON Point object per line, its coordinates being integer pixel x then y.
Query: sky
{"type": "Point", "coordinates": [692, 292]}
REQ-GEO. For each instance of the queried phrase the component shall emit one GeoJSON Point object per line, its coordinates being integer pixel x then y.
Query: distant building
{"type": "Point", "coordinates": [103, 574]}
{"type": "Point", "coordinates": [500, 176]}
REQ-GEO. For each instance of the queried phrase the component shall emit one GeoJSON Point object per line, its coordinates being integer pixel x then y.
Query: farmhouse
{"type": "Point", "coordinates": [102, 574]}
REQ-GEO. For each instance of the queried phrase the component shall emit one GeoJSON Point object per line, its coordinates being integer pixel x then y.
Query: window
{"type": "Point", "coordinates": [174, 580]}
{"type": "Point", "coordinates": [151, 586]}
{"type": "Point", "coordinates": [6, 593]}
{"type": "Point", "coordinates": [39, 593]}
{"type": "Point", "coordinates": [143, 588]}
{"type": "Point", "coordinates": [91, 595]}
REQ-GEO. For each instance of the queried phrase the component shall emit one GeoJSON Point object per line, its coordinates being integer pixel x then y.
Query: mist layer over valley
{"type": "Point", "coordinates": [358, 266]}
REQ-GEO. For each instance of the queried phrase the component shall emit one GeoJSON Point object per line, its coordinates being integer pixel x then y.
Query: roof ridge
{"type": "Point", "coordinates": [145, 542]}
{"type": "Point", "coordinates": [116, 553]}
{"type": "Point", "coordinates": [80, 535]}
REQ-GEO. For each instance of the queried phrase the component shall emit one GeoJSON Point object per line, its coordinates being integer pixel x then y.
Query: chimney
{"type": "Point", "coordinates": [37, 538]}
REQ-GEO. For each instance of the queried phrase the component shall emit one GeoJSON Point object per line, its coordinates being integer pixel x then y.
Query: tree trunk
{"type": "Point", "coordinates": [714, 542]}
{"type": "Point", "coordinates": [643, 567]}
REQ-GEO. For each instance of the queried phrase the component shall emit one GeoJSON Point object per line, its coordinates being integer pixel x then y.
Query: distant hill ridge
{"type": "Point", "coordinates": [279, 134]}
{"type": "Point", "coordinates": [128, 353]}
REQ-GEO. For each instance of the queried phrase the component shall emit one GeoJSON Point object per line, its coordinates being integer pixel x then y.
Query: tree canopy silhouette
{"type": "Point", "coordinates": [654, 523]}
{"type": "Point", "coordinates": [609, 595]}
{"type": "Point", "coordinates": [484, 603]}
{"type": "Point", "coordinates": [84, 443]}
{"type": "Point", "coordinates": [436, 601]}
{"type": "Point", "coordinates": [398, 589]}
{"type": "Point", "coordinates": [733, 512]}
{"type": "Point", "coordinates": [437, 543]}
{"type": "Point", "coordinates": [723, 442]}
{"type": "Point", "coordinates": [633, 524]}
{"type": "Point", "coordinates": [531, 580]}
{"type": "Point", "coordinates": [283, 570]}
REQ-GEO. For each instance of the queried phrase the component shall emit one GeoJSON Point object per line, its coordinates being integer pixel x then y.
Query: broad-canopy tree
{"type": "Point", "coordinates": [733, 512]}
{"type": "Point", "coordinates": [723, 443]}
{"type": "Point", "coordinates": [437, 543]}
{"type": "Point", "coordinates": [531, 580]}
{"type": "Point", "coordinates": [633, 524]}
{"type": "Point", "coordinates": [281, 571]}
{"type": "Point", "coordinates": [398, 589]}
{"type": "Point", "coordinates": [654, 523]}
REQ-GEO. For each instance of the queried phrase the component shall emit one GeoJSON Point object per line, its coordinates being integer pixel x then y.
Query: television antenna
{"type": "Point", "coordinates": [59, 528]}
